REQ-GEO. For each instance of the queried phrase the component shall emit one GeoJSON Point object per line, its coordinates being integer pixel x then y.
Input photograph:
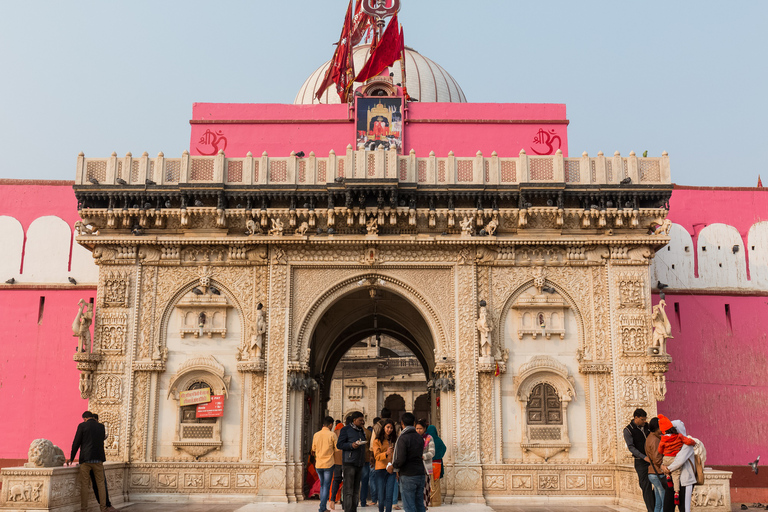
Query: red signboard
{"type": "Point", "coordinates": [213, 409]}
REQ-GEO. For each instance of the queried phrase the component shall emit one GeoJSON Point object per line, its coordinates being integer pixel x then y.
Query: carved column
{"type": "Point", "coordinates": [468, 480]}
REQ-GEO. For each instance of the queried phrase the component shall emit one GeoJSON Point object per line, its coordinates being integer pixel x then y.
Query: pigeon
{"type": "Point", "coordinates": [147, 206]}
{"type": "Point", "coordinates": [753, 465]}
{"type": "Point", "coordinates": [197, 291]}
{"type": "Point", "coordinates": [238, 206]}
{"type": "Point", "coordinates": [121, 181]}
{"type": "Point", "coordinates": [300, 154]}
{"type": "Point", "coordinates": [137, 231]}
{"type": "Point", "coordinates": [94, 181]}
{"type": "Point", "coordinates": [744, 507]}
{"type": "Point", "coordinates": [72, 280]}
{"type": "Point", "coordinates": [11, 280]}
{"type": "Point", "coordinates": [136, 206]}
{"type": "Point", "coordinates": [444, 233]}
{"type": "Point", "coordinates": [609, 204]}
{"type": "Point", "coordinates": [168, 203]}
{"type": "Point", "coordinates": [528, 205]}
{"type": "Point", "coordinates": [305, 205]}
{"type": "Point", "coordinates": [550, 202]}
{"type": "Point", "coordinates": [628, 204]}
{"type": "Point", "coordinates": [339, 179]}
{"type": "Point", "coordinates": [149, 182]}
{"type": "Point", "coordinates": [548, 289]}
{"type": "Point", "coordinates": [198, 202]}
{"type": "Point", "coordinates": [645, 154]}
{"type": "Point", "coordinates": [626, 181]}
{"type": "Point", "coordinates": [331, 231]}
{"type": "Point", "coordinates": [214, 290]}
{"type": "Point", "coordinates": [595, 207]}
{"type": "Point", "coordinates": [661, 285]}
{"type": "Point", "coordinates": [319, 231]}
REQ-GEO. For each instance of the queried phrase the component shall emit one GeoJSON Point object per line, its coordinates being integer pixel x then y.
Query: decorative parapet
{"type": "Point", "coordinates": [313, 170]}
{"type": "Point", "coordinates": [86, 361]}
{"type": "Point", "coordinates": [588, 367]}
{"type": "Point", "coordinates": [251, 366]}
{"type": "Point", "coordinates": [56, 489]}
{"type": "Point", "coordinates": [149, 366]}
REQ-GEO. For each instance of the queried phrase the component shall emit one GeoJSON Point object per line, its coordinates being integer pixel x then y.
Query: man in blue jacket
{"type": "Point", "coordinates": [352, 443]}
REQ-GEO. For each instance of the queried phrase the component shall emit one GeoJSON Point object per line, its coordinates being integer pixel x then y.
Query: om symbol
{"type": "Point", "coordinates": [547, 139]}
{"type": "Point", "coordinates": [214, 140]}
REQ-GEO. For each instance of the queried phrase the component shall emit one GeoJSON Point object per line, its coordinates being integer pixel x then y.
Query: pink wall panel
{"type": "Point", "coordinates": [26, 200]}
{"type": "Point", "coordinates": [718, 380]}
{"type": "Point", "coordinates": [38, 379]}
{"type": "Point", "coordinates": [429, 127]}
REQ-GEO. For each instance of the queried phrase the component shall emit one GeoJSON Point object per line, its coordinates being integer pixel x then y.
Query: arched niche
{"type": "Point", "coordinates": [757, 248]}
{"type": "Point", "coordinates": [673, 264]}
{"type": "Point", "coordinates": [210, 357]}
{"type": "Point", "coordinates": [12, 235]}
{"type": "Point", "coordinates": [722, 262]}
{"type": "Point", "coordinates": [46, 253]}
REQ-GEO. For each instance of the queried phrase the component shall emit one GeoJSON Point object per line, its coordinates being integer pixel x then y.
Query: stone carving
{"type": "Point", "coordinates": [602, 482]}
{"type": "Point", "coordinates": [277, 227]}
{"type": "Point", "coordinates": [492, 226]}
{"type": "Point", "coordinates": [467, 227]}
{"type": "Point", "coordinates": [521, 482]}
{"type": "Point", "coordinates": [83, 228]}
{"type": "Point", "coordinates": [631, 290]}
{"type": "Point", "coordinates": [662, 228]}
{"type": "Point", "coordinates": [372, 226]}
{"type": "Point", "coordinates": [193, 480]}
{"type": "Point", "coordinates": [257, 340]}
{"type": "Point", "coordinates": [114, 290]}
{"type": "Point", "coordinates": [112, 329]}
{"type": "Point", "coordinates": [549, 482]}
{"type": "Point", "coordinates": [219, 480]}
{"type": "Point", "coordinates": [302, 229]}
{"type": "Point", "coordinates": [252, 227]}
{"type": "Point", "coordinates": [86, 384]}
{"type": "Point", "coordinates": [495, 482]}
{"type": "Point", "coordinates": [485, 326]}
{"type": "Point", "coordinates": [44, 454]}
{"type": "Point", "coordinates": [635, 392]}
{"type": "Point", "coordinates": [108, 389]}
{"type": "Point", "coordinates": [245, 480]}
{"type": "Point", "coordinates": [575, 482]}
{"type": "Point", "coordinates": [111, 421]}
{"type": "Point", "coordinates": [167, 480]}
{"type": "Point", "coordinates": [26, 491]}
{"type": "Point", "coordinates": [708, 495]}
{"type": "Point", "coordinates": [662, 330]}
{"type": "Point", "coordinates": [634, 333]}
{"type": "Point", "coordinates": [82, 324]}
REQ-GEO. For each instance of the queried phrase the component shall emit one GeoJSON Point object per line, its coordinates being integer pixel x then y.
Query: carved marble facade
{"type": "Point", "coordinates": [568, 304]}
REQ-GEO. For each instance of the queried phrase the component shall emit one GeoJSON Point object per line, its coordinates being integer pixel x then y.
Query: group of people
{"type": "Point", "coordinates": [665, 461]}
{"type": "Point", "coordinates": [385, 461]}
{"type": "Point", "coordinates": [89, 440]}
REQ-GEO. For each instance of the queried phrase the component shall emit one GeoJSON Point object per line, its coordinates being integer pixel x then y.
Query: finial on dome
{"type": "Point", "coordinates": [584, 154]}
{"type": "Point", "coordinates": [616, 153]}
{"type": "Point", "coordinates": [249, 154]}
{"type": "Point", "coordinates": [632, 153]}
{"type": "Point", "coordinates": [559, 152]}
{"type": "Point", "coordinates": [160, 154]}
{"type": "Point", "coordinates": [114, 153]}
{"type": "Point", "coordinates": [494, 153]}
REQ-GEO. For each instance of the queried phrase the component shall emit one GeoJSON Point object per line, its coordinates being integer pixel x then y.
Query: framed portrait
{"type": "Point", "coordinates": [379, 123]}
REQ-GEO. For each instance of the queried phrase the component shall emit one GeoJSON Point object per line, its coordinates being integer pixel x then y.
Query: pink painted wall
{"type": "Point", "coordinates": [718, 380]}
{"type": "Point", "coordinates": [38, 380]}
{"type": "Point", "coordinates": [280, 129]}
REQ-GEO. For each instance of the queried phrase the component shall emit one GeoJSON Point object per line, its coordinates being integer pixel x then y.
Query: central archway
{"type": "Point", "coordinates": [361, 308]}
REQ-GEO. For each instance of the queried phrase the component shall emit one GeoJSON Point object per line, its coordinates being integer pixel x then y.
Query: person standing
{"type": "Point", "coordinates": [324, 449]}
{"type": "Point", "coordinates": [635, 435]}
{"type": "Point", "coordinates": [352, 444]}
{"type": "Point", "coordinates": [437, 466]}
{"type": "Point", "coordinates": [383, 447]}
{"type": "Point", "coordinates": [429, 453]}
{"type": "Point", "coordinates": [338, 480]}
{"type": "Point", "coordinates": [408, 461]}
{"type": "Point", "coordinates": [365, 476]}
{"type": "Point", "coordinates": [655, 475]}
{"type": "Point", "coordinates": [89, 439]}
{"type": "Point", "coordinates": [685, 461]}
{"type": "Point", "coordinates": [110, 508]}
{"type": "Point", "coordinates": [374, 493]}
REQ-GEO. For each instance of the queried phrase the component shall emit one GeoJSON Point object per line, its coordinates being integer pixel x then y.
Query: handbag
{"type": "Point", "coordinates": [698, 469]}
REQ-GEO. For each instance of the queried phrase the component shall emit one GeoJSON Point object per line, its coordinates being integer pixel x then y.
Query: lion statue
{"type": "Point", "coordinates": [44, 454]}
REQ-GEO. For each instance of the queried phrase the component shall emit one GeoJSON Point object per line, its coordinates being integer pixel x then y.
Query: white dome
{"type": "Point", "coordinates": [425, 79]}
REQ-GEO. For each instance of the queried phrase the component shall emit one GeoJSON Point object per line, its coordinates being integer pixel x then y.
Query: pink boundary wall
{"type": "Point", "coordinates": [718, 380]}
{"type": "Point", "coordinates": [39, 391]}
{"type": "Point", "coordinates": [279, 129]}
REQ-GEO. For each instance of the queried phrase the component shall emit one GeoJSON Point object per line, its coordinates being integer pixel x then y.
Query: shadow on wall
{"type": "Point", "coordinates": [49, 254]}
{"type": "Point", "coordinates": [720, 256]}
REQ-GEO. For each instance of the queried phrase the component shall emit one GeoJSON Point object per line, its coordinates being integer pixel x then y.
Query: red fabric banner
{"type": "Point", "coordinates": [385, 54]}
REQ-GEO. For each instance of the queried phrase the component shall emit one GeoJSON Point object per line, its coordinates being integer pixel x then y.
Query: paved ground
{"type": "Point", "coordinates": [312, 506]}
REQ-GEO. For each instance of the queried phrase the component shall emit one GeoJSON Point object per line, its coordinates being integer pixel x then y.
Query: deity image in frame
{"type": "Point", "coordinates": [379, 123]}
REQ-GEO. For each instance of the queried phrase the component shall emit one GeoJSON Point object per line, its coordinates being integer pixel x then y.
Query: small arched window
{"type": "Point", "coordinates": [544, 407]}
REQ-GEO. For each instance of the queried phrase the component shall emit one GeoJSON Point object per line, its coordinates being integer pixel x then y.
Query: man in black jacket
{"type": "Point", "coordinates": [89, 439]}
{"type": "Point", "coordinates": [634, 436]}
{"type": "Point", "coordinates": [352, 443]}
{"type": "Point", "coordinates": [407, 460]}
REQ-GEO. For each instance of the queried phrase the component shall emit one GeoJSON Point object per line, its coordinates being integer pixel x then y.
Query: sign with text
{"type": "Point", "coordinates": [213, 409]}
{"type": "Point", "coordinates": [379, 123]}
{"type": "Point", "coordinates": [195, 396]}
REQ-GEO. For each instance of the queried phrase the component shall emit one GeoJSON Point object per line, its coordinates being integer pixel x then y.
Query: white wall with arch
{"type": "Point", "coordinates": [12, 235]}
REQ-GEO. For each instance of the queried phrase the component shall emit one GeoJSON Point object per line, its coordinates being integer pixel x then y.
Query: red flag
{"type": "Point", "coordinates": [385, 54]}
{"type": "Point", "coordinates": [759, 182]}
{"type": "Point", "coordinates": [496, 371]}
{"type": "Point", "coordinates": [337, 71]}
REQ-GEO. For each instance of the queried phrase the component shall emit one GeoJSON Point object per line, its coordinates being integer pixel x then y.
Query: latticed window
{"type": "Point", "coordinates": [544, 406]}
{"type": "Point", "coordinates": [189, 412]}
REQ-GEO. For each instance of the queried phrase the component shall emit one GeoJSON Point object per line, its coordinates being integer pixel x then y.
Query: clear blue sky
{"type": "Point", "coordinates": [688, 77]}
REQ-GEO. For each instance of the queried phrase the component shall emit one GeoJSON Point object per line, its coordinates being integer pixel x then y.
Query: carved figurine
{"type": "Point", "coordinates": [44, 454]}
{"type": "Point", "coordinates": [277, 227]}
{"type": "Point", "coordinates": [252, 227]}
{"type": "Point", "coordinates": [257, 340]}
{"type": "Point", "coordinates": [86, 384]}
{"type": "Point", "coordinates": [302, 229]}
{"type": "Point", "coordinates": [661, 327]}
{"type": "Point", "coordinates": [372, 226]}
{"type": "Point", "coordinates": [81, 325]}
{"type": "Point", "coordinates": [484, 325]}
{"type": "Point", "coordinates": [491, 227]}
{"type": "Point", "coordinates": [466, 226]}
{"type": "Point", "coordinates": [81, 228]}
{"type": "Point", "coordinates": [662, 229]}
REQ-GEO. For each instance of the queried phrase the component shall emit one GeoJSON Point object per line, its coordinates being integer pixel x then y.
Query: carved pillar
{"type": "Point", "coordinates": [273, 476]}
{"type": "Point", "coordinates": [468, 480]}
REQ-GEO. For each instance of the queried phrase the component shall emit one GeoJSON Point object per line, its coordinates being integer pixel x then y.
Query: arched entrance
{"type": "Point", "coordinates": [366, 309]}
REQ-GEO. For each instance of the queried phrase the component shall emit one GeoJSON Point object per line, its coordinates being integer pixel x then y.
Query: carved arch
{"type": "Point", "coordinates": [326, 300]}
{"type": "Point", "coordinates": [581, 326]}
{"type": "Point", "coordinates": [544, 370]}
